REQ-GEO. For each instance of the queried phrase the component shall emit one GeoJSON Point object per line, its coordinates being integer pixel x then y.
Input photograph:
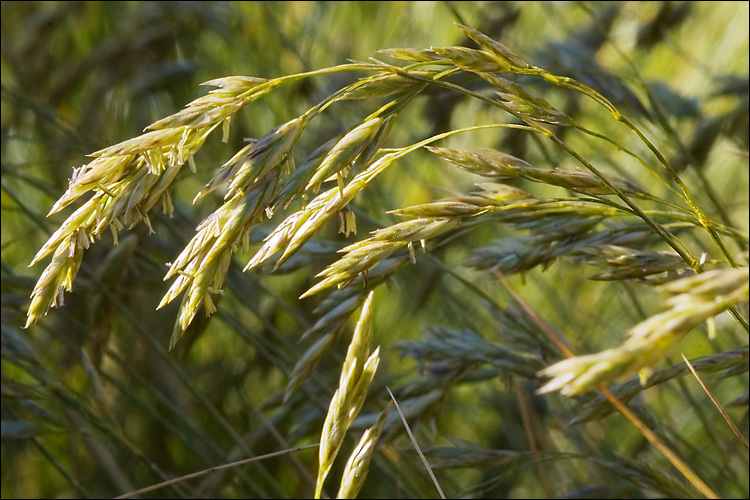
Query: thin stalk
{"type": "Point", "coordinates": [689, 198]}
{"type": "Point", "coordinates": [530, 437]}
{"type": "Point", "coordinates": [180, 479]}
{"type": "Point", "coordinates": [57, 465]}
{"type": "Point", "coordinates": [416, 446]}
{"type": "Point", "coordinates": [634, 156]}
{"type": "Point", "coordinates": [716, 403]}
{"type": "Point", "coordinates": [653, 439]}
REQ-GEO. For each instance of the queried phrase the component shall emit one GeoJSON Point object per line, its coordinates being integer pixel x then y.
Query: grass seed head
{"type": "Point", "coordinates": [356, 376]}
{"type": "Point", "coordinates": [699, 298]}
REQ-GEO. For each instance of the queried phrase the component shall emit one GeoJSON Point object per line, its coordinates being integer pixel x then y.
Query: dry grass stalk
{"type": "Point", "coordinates": [414, 443]}
{"type": "Point", "coordinates": [716, 403]}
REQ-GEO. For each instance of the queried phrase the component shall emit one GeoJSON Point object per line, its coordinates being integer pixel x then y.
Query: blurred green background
{"type": "Point", "coordinates": [94, 405]}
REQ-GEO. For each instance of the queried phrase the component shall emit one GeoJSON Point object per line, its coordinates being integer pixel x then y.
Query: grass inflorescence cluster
{"type": "Point", "coordinates": [640, 222]}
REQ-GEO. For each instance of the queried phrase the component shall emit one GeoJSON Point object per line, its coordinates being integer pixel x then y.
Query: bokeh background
{"type": "Point", "coordinates": [93, 404]}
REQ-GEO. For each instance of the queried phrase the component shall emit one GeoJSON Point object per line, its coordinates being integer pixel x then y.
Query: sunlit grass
{"type": "Point", "coordinates": [95, 403]}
